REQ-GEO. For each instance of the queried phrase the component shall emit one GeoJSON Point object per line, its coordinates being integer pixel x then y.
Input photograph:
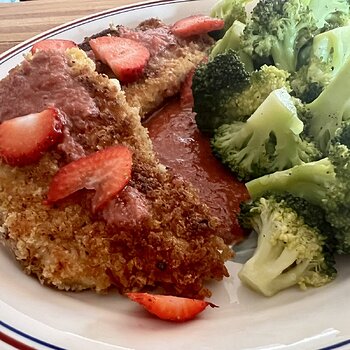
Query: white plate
{"type": "Point", "coordinates": [44, 318]}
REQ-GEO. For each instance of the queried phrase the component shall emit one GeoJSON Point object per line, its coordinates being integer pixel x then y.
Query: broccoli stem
{"type": "Point", "coordinates": [328, 109]}
{"type": "Point", "coordinates": [271, 271]}
{"type": "Point", "coordinates": [306, 180]}
{"type": "Point", "coordinates": [284, 54]}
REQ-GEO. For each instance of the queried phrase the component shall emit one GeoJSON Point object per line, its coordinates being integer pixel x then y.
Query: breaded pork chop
{"type": "Point", "coordinates": [171, 60]}
{"type": "Point", "coordinates": [155, 234]}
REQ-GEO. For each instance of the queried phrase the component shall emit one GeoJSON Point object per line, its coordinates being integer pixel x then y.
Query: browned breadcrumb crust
{"type": "Point", "coordinates": [65, 246]}
{"type": "Point", "coordinates": [165, 72]}
{"type": "Point", "coordinates": [168, 74]}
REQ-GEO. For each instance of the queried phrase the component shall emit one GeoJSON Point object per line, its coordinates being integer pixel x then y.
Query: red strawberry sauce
{"type": "Point", "coordinates": [181, 147]}
{"type": "Point", "coordinates": [43, 82]}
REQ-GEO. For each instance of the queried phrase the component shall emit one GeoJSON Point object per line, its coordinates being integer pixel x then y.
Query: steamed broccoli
{"type": "Point", "coordinates": [224, 92]}
{"type": "Point", "coordinates": [342, 134]}
{"type": "Point", "coordinates": [292, 247]}
{"type": "Point", "coordinates": [279, 29]}
{"type": "Point", "coordinates": [329, 109]}
{"type": "Point", "coordinates": [232, 40]}
{"type": "Point", "coordinates": [213, 85]}
{"type": "Point", "coordinates": [268, 141]}
{"type": "Point", "coordinates": [330, 14]}
{"type": "Point", "coordinates": [229, 11]}
{"type": "Point", "coordinates": [327, 54]}
{"type": "Point", "coordinates": [325, 183]}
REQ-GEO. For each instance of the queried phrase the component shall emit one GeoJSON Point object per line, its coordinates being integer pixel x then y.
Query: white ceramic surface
{"type": "Point", "coordinates": [44, 318]}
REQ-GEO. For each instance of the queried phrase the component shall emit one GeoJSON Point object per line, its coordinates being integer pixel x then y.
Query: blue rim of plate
{"type": "Point", "coordinates": [5, 337]}
{"type": "Point", "coordinates": [17, 344]}
{"type": "Point", "coordinates": [20, 345]}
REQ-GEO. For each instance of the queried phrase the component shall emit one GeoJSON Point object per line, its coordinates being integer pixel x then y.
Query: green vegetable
{"type": "Point", "coordinates": [230, 11]}
{"type": "Point", "coordinates": [232, 40]}
{"type": "Point", "coordinates": [279, 29]}
{"type": "Point", "coordinates": [268, 141]}
{"type": "Point", "coordinates": [275, 98]}
{"type": "Point", "coordinates": [224, 92]}
{"type": "Point", "coordinates": [325, 183]}
{"type": "Point", "coordinates": [328, 53]}
{"type": "Point", "coordinates": [213, 86]}
{"type": "Point", "coordinates": [330, 13]}
{"type": "Point", "coordinates": [328, 110]}
{"type": "Point", "coordinates": [292, 247]}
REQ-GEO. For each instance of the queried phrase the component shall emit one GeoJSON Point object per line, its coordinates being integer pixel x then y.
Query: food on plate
{"type": "Point", "coordinates": [57, 214]}
{"type": "Point", "coordinates": [185, 151]}
{"type": "Point", "coordinates": [53, 44]}
{"type": "Point", "coordinates": [281, 123]}
{"type": "Point", "coordinates": [244, 145]}
{"type": "Point", "coordinates": [170, 308]}
{"type": "Point", "coordinates": [171, 59]}
{"type": "Point", "coordinates": [23, 140]}
{"type": "Point", "coordinates": [107, 172]}
{"type": "Point", "coordinates": [293, 244]}
{"type": "Point", "coordinates": [224, 91]}
{"type": "Point", "coordinates": [126, 57]}
{"type": "Point", "coordinates": [195, 25]}
{"type": "Point", "coordinates": [324, 183]}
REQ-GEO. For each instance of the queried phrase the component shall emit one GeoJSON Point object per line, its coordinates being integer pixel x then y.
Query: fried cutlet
{"type": "Point", "coordinates": [172, 59]}
{"type": "Point", "coordinates": [155, 234]}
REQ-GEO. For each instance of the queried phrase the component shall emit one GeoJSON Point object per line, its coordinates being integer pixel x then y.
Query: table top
{"type": "Point", "coordinates": [22, 20]}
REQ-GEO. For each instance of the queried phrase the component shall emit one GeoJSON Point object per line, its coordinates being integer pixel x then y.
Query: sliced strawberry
{"type": "Point", "coordinates": [23, 140]}
{"type": "Point", "coordinates": [53, 44]}
{"type": "Point", "coordinates": [107, 171]}
{"type": "Point", "coordinates": [170, 308]}
{"type": "Point", "coordinates": [196, 25]}
{"type": "Point", "coordinates": [127, 58]}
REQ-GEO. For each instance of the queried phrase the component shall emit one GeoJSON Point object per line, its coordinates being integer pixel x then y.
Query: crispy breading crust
{"type": "Point", "coordinates": [151, 91]}
{"type": "Point", "coordinates": [67, 247]}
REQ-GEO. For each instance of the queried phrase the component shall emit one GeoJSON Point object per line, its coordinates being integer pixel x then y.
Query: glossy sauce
{"type": "Point", "coordinates": [185, 151]}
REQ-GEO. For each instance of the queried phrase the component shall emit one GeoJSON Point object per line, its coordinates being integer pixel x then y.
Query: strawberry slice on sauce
{"type": "Point", "coordinates": [168, 307]}
{"type": "Point", "coordinates": [127, 58]}
{"type": "Point", "coordinates": [107, 171]}
{"type": "Point", "coordinates": [23, 140]}
{"type": "Point", "coordinates": [196, 25]}
{"type": "Point", "coordinates": [53, 44]}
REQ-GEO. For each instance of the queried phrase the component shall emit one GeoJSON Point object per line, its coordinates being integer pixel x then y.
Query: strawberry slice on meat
{"type": "Point", "coordinates": [196, 25]}
{"type": "Point", "coordinates": [53, 44]}
{"type": "Point", "coordinates": [107, 171]}
{"type": "Point", "coordinates": [127, 58]}
{"type": "Point", "coordinates": [23, 140]}
{"type": "Point", "coordinates": [168, 307]}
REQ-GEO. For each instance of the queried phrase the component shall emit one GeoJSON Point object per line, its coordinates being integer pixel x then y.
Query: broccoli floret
{"type": "Point", "coordinates": [268, 141]}
{"type": "Point", "coordinates": [327, 55]}
{"type": "Point", "coordinates": [213, 85]}
{"type": "Point", "coordinates": [229, 11]}
{"type": "Point", "coordinates": [279, 28]}
{"type": "Point", "coordinates": [330, 14]}
{"type": "Point", "coordinates": [232, 40]}
{"type": "Point", "coordinates": [329, 109]}
{"type": "Point", "coordinates": [303, 88]}
{"type": "Point", "coordinates": [331, 48]}
{"type": "Point", "coordinates": [262, 83]}
{"type": "Point", "coordinates": [292, 249]}
{"type": "Point", "coordinates": [325, 183]}
{"type": "Point", "coordinates": [224, 92]}
{"type": "Point", "coordinates": [342, 134]}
